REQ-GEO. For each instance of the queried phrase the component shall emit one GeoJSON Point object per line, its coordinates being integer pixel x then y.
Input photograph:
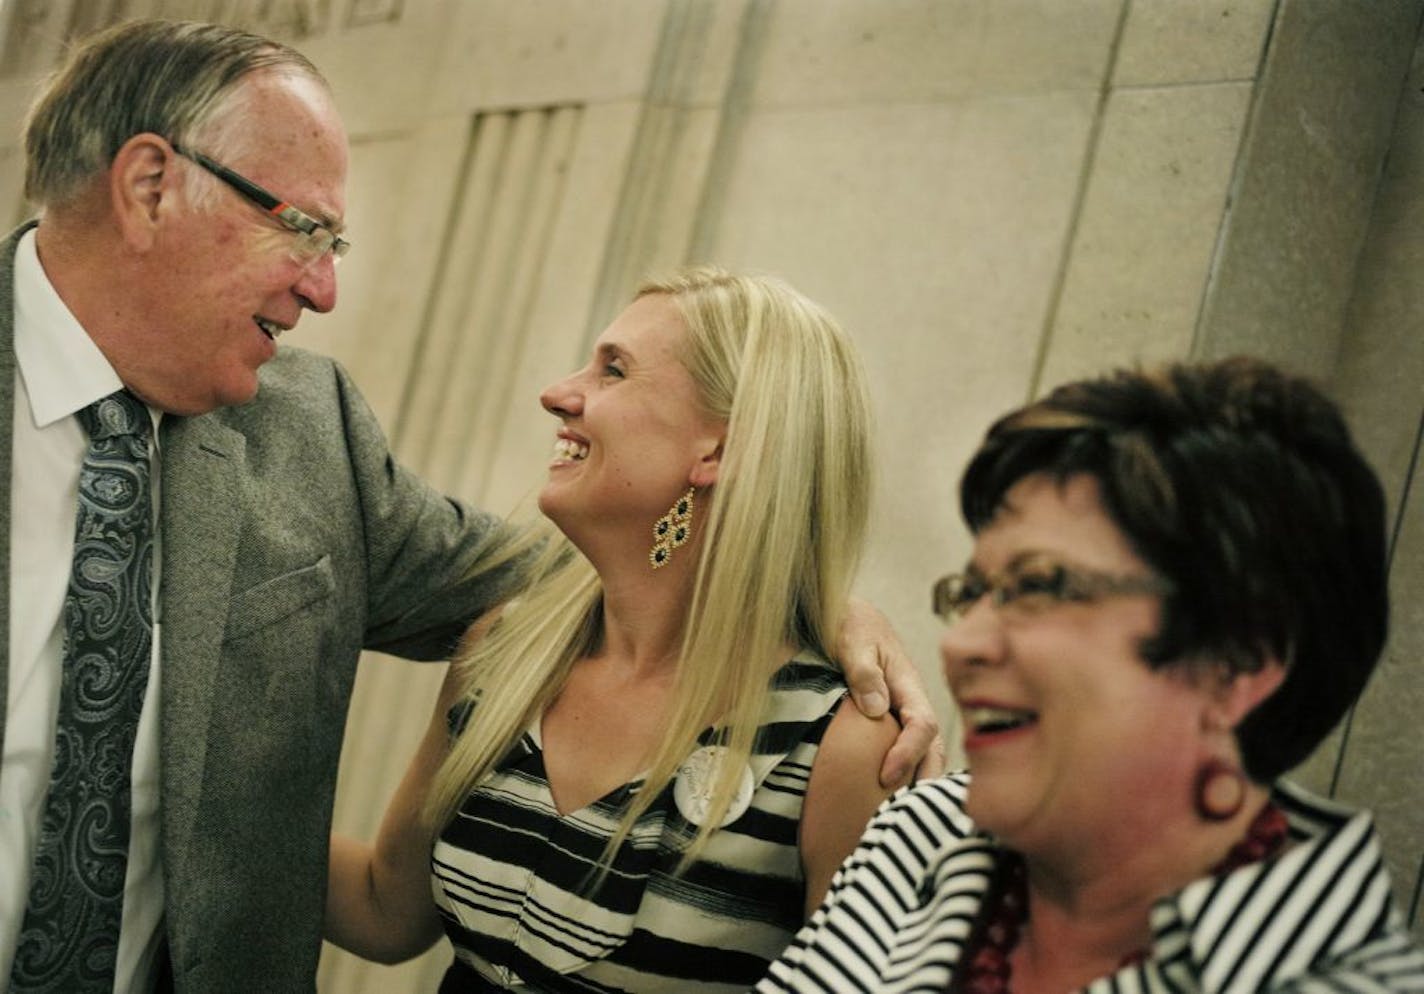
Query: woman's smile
{"type": "Point", "coordinates": [987, 724]}
{"type": "Point", "coordinates": [568, 448]}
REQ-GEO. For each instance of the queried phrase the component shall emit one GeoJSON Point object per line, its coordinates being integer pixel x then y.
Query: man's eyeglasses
{"type": "Point", "coordinates": [314, 239]}
{"type": "Point", "coordinates": [1033, 584]}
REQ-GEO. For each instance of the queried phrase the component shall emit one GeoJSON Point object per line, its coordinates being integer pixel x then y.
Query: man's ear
{"type": "Point", "coordinates": [142, 187]}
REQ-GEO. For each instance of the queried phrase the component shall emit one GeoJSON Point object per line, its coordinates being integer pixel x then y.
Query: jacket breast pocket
{"type": "Point", "coordinates": [279, 598]}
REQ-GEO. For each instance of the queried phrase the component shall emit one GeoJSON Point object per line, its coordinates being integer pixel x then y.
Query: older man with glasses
{"type": "Point", "coordinates": [178, 685]}
{"type": "Point", "coordinates": [179, 653]}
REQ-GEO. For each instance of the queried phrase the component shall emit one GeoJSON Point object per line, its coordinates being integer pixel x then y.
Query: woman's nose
{"type": "Point", "coordinates": [975, 638]}
{"type": "Point", "coordinates": [562, 398]}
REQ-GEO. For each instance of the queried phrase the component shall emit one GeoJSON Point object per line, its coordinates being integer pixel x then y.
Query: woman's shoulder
{"type": "Point", "coordinates": [807, 670]}
{"type": "Point", "coordinates": [803, 689]}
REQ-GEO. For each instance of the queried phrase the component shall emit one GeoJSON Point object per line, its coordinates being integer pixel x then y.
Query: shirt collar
{"type": "Point", "coordinates": [63, 369]}
{"type": "Point", "coordinates": [1317, 900]}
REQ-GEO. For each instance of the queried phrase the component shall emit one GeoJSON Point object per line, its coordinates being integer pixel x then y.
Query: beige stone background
{"type": "Point", "coordinates": [993, 195]}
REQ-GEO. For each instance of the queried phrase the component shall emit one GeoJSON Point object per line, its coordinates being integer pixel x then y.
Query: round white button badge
{"type": "Point", "coordinates": [692, 790]}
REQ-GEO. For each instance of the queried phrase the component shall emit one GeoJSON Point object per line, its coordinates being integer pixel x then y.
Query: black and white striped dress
{"type": "Point", "coordinates": [512, 877]}
{"type": "Point", "coordinates": [1317, 918]}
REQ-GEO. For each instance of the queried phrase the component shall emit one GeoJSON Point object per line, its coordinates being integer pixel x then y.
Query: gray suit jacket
{"type": "Point", "coordinates": [291, 539]}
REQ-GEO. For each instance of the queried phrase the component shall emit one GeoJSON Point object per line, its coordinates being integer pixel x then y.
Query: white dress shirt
{"type": "Point", "coordinates": [59, 371]}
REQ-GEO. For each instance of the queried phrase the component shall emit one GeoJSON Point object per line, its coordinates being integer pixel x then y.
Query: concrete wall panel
{"type": "Point", "coordinates": [1145, 240]}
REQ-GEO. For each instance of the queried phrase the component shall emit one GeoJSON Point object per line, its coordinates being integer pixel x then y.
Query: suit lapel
{"type": "Point", "coordinates": [203, 464]}
{"type": "Point", "coordinates": [7, 444]}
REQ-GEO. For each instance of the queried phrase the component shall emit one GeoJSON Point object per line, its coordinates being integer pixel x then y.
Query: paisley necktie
{"type": "Point", "coordinates": [70, 934]}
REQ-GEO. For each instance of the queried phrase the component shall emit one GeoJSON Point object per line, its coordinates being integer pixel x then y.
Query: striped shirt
{"type": "Point", "coordinates": [1317, 918]}
{"type": "Point", "coordinates": [518, 888]}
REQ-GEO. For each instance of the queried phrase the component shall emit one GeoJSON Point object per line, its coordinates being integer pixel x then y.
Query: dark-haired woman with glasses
{"type": "Point", "coordinates": [1177, 588]}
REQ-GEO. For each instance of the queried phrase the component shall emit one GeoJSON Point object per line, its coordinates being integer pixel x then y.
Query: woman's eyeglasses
{"type": "Point", "coordinates": [1033, 584]}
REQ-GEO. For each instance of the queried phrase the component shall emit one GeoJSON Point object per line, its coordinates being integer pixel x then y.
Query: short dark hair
{"type": "Point", "coordinates": [1241, 485]}
{"type": "Point", "coordinates": [165, 77]}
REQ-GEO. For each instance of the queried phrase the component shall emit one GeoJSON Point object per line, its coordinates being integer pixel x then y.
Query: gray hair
{"type": "Point", "coordinates": [170, 78]}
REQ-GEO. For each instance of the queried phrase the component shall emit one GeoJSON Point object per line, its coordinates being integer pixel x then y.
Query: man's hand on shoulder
{"type": "Point", "coordinates": [882, 678]}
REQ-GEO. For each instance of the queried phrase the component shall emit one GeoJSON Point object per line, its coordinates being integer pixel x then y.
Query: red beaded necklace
{"type": "Point", "coordinates": [986, 968]}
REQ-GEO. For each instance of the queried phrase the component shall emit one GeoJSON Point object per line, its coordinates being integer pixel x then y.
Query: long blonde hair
{"type": "Point", "coordinates": [780, 543]}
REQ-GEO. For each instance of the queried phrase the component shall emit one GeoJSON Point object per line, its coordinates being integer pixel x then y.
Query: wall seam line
{"type": "Point", "coordinates": [1080, 197]}
{"type": "Point", "coordinates": [1197, 344]}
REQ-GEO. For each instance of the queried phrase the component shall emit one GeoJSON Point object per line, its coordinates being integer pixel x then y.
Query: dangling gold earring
{"type": "Point", "coordinates": [672, 530]}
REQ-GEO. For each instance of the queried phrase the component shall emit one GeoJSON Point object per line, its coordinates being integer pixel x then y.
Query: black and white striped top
{"type": "Point", "coordinates": [512, 877]}
{"type": "Point", "coordinates": [1319, 917]}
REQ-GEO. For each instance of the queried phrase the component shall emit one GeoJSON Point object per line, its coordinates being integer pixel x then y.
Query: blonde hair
{"type": "Point", "coordinates": [781, 538]}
